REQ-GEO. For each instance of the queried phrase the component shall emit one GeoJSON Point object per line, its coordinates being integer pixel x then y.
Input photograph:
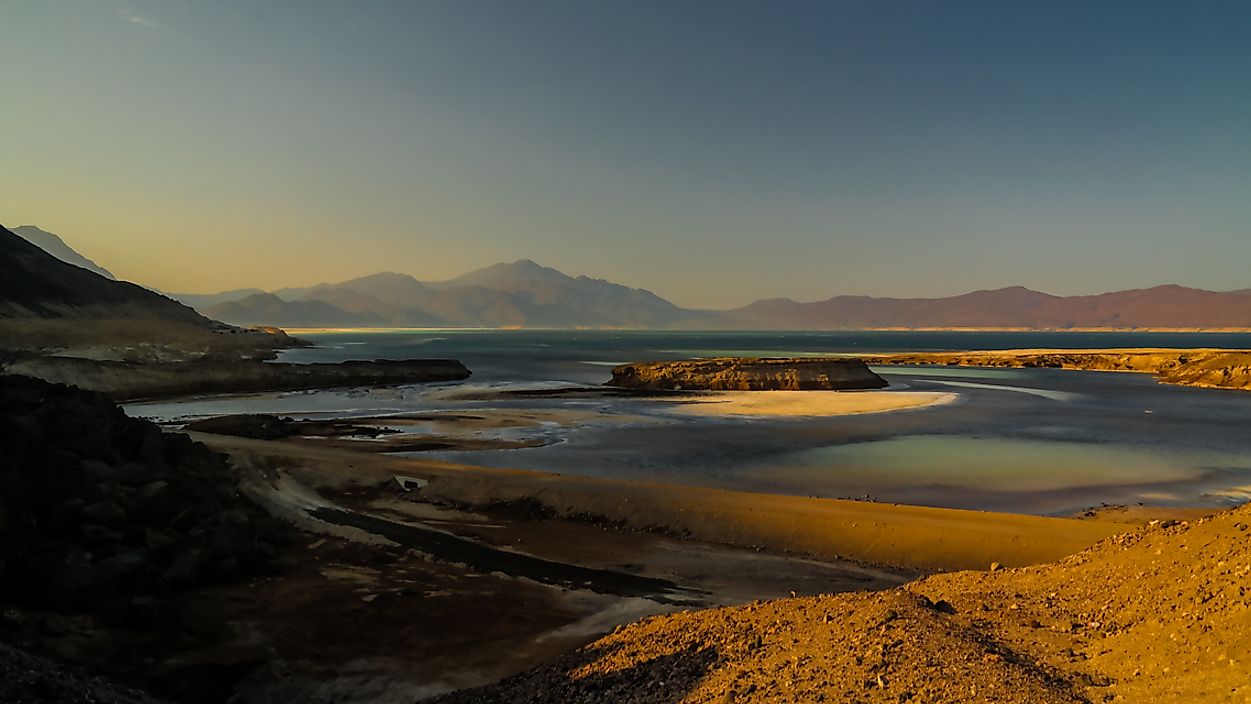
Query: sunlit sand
{"type": "Point", "coordinates": [809, 403]}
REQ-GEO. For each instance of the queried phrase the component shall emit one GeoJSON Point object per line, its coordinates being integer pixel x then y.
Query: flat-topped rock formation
{"type": "Point", "coordinates": [748, 374]}
{"type": "Point", "coordinates": [1220, 369]}
{"type": "Point", "coordinates": [125, 381]}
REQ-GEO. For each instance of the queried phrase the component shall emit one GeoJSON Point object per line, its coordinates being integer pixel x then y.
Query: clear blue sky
{"type": "Point", "coordinates": [715, 152]}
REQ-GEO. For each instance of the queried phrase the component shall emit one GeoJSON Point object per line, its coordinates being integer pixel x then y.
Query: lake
{"type": "Point", "coordinates": [1032, 440]}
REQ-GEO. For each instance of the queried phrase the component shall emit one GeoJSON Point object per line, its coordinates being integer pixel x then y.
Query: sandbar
{"type": "Point", "coordinates": [808, 403]}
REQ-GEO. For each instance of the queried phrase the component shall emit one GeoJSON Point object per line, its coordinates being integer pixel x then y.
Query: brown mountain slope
{"type": "Point", "coordinates": [1157, 615]}
{"type": "Point", "coordinates": [1159, 307]}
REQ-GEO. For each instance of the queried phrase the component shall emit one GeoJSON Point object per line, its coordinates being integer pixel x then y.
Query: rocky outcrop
{"type": "Point", "coordinates": [105, 514]}
{"type": "Point", "coordinates": [743, 374]}
{"type": "Point", "coordinates": [128, 381]}
{"type": "Point", "coordinates": [1221, 369]}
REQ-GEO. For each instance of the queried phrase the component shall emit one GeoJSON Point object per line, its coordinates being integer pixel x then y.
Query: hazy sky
{"type": "Point", "coordinates": [714, 152]}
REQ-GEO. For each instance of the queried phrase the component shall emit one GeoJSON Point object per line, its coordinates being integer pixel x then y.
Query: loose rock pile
{"type": "Point", "coordinates": [102, 513]}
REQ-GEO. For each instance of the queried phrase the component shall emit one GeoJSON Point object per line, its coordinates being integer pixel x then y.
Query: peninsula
{"type": "Point", "coordinates": [1209, 368]}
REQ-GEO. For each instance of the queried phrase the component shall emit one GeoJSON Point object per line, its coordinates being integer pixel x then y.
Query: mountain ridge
{"type": "Point", "coordinates": [57, 247]}
{"type": "Point", "coordinates": [596, 303]}
{"type": "Point", "coordinates": [524, 293]}
{"type": "Point", "coordinates": [511, 294]}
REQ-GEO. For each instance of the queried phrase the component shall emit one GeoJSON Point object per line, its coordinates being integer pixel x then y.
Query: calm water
{"type": "Point", "coordinates": [1043, 441]}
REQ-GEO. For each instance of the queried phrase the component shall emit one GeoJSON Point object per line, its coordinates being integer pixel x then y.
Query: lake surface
{"type": "Point", "coordinates": [1034, 440]}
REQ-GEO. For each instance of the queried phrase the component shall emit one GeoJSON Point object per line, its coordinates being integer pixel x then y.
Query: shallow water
{"type": "Point", "coordinates": [1035, 440]}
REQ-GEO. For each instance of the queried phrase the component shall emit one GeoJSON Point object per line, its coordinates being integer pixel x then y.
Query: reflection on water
{"type": "Point", "coordinates": [962, 372]}
{"type": "Point", "coordinates": [1035, 440]}
{"type": "Point", "coordinates": [1044, 393]}
{"type": "Point", "coordinates": [991, 464]}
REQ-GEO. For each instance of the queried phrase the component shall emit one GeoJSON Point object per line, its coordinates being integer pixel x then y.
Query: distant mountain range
{"type": "Point", "coordinates": [521, 294]}
{"type": "Point", "coordinates": [525, 294]}
{"type": "Point", "coordinates": [1168, 306]}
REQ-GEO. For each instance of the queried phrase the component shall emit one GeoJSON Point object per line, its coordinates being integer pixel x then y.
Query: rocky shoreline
{"type": "Point", "coordinates": [129, 381]}
{"type": "Point", "coordinates": [748, 374]}
{"type": "Point", "coordinates": [1207, 368]}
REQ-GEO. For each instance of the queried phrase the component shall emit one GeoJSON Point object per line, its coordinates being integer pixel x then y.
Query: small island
{"type": "Point", "coordinates": [748, 374]}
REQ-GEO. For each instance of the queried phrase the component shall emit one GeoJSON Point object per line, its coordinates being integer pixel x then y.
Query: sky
{"type": "Point", "coordinates": [713, 152]}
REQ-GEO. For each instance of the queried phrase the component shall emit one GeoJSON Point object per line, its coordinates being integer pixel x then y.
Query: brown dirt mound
{"type": "Point", "coordinates": [1160, 615]}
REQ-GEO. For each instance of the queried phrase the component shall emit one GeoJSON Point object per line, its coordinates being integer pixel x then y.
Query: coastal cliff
{"type": "Point", "coordinates": [734, 374]}
{"type": "Point", "coordinates": [1218, 369]}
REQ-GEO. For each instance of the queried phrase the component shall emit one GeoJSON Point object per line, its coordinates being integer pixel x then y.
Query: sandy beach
{"type": "Point", "coordinates": [808, 403]}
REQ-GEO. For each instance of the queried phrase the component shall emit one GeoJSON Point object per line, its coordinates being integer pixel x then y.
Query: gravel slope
{"type": "Point", "coordinates": [1160, 615]}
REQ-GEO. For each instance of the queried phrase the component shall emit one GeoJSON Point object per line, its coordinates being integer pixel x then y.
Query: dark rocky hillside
{"type": "Point", "coordinates": [48, 306]}
{"type": "Point", "coordinates": [104, 514]}
{"type": "Point", "coordinates": [54, 245]}
{"type": "Point", "coordinates": [37, 285]}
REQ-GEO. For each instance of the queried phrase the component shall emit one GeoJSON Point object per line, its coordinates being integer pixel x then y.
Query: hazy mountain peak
{"type": "Point", "coordinates": [262, 297]}
{"type": "Point", "coordinates": [511, 276]}
{"type": "Point", "coordinates": [384, 276]}
{"type": "Point", "coordinates": [54, 245]}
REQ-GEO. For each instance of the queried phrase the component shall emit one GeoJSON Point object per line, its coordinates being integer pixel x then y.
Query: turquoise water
{"type": "Point", "coordinates": [1035, 440]}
